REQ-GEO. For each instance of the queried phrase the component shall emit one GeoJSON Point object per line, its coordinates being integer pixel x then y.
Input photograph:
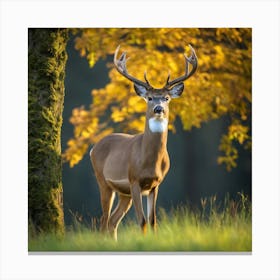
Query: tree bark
{"type": "Point", "coordinates": [46, 71]}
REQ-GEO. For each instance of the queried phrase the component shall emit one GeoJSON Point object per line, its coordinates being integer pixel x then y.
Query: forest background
{"type": "Point", "coordinates": [210, 126]}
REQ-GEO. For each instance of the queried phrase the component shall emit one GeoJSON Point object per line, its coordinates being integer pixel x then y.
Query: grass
{"type": "Point", "coordinates": [213, 228]}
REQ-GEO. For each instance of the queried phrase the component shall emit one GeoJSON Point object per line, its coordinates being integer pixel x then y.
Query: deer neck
{"type": "Point", "coordinates": [154, 140]}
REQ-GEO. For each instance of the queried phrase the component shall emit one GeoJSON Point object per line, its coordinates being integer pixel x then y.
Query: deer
{"type": "Point", "coordinates": [133, 166]}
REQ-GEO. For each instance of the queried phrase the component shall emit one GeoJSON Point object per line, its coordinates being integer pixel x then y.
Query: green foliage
{"type": "Point", "coordinates": [46, 69]}
{"type": "Point", "coordinates": [214, 227]}
{"type": "Point", "coordinates": [221, 86]}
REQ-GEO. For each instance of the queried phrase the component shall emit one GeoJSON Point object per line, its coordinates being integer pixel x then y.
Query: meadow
{"type": "Point", "coordinates": [214, 227]}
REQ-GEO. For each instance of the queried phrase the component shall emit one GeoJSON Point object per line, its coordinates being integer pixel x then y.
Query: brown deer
{"type": "Point", "coordinates": [135, 165]}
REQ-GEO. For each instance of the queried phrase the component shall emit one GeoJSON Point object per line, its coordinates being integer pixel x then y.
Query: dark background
{"type": "Point", "coordinates": [194, 172]}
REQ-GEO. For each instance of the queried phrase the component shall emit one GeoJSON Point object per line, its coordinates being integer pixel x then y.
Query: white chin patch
{"type": "Point", "coordinates": [158, 124]}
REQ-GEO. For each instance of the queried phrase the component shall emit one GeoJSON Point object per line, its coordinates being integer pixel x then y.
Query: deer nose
{"type": "Point", "coordinates": [158, 109]}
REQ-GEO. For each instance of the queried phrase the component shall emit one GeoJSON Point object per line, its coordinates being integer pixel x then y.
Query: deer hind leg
{"type": "Point", "coordinates": [107, 196]}
{"type": "Point", "coordinates": [121, 209]}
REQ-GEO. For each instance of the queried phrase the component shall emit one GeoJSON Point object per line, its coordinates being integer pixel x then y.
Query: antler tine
{"type": "Point", "coordinates": [145, 77]}
{"type": "Point", "coordinates": [193, 61]}
{"type": "Point", "coordinates": [121, 67]}
{"type": "Point", "coordinates": [168, 77]}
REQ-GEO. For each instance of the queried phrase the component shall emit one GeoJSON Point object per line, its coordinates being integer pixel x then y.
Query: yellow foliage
{"type": "Point", "coordinates": [221, 86]}
{"type": "Point", "coordinates": [236, 132]}
{"type": "Point", "coordinates": [118, 115]}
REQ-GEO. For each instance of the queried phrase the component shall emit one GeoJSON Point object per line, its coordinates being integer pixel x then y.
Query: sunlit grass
{"type": "Point", "coordinates": [213, 228]}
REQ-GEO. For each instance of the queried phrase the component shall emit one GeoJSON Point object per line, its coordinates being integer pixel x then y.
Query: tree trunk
{"type": "Point", "coordinates": [46, 70]}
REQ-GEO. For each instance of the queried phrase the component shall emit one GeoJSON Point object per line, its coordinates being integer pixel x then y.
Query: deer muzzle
{"type": "Point", "coordinates": [158, 110]}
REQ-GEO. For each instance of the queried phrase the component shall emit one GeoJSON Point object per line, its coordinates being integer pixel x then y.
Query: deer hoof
{"type": "Point", "coordinates": [144, 228]}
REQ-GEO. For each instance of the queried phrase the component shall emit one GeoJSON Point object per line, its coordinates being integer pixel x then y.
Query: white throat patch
{"type": "Point", "coordinates": [158, 124]}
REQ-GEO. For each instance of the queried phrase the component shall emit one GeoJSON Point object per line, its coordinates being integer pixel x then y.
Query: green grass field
{"type": "Point", "coordinates": [213, 228]}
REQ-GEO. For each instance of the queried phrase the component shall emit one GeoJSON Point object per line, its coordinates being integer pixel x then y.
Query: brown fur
{"type": "Point", "coordinates": [142, 160]}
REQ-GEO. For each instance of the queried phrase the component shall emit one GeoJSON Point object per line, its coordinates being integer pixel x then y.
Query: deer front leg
{"type": "Point", "coordinates": [119, 212]}
{"type": "Point", "coordinates": [137, 201]}
{"type": "Point", "coordinates": [151, 208]}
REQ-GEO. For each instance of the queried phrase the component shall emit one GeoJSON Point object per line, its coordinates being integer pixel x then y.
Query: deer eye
{"type": "Point", "coordinates": [166, 98]}
{"type": "Point", "coordinates": [150, 98]}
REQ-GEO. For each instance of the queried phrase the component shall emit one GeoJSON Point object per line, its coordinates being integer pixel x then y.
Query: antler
{"type": "Point", "coordinates": [193, 61]}
{"type": "Point", "coordinates": [121, 67]}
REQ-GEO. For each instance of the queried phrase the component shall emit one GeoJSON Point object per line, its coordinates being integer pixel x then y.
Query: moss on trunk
{"type": "Point", "coordinates": [46, 70]}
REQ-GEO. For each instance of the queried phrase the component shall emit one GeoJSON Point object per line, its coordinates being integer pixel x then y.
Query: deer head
{"type": "Point", "coordinates": [157, 99]}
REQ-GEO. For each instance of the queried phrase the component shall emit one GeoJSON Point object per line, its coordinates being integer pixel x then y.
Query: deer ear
{"type": "Point", "coordinates": [176, 91]}
{"type": "Point", "coordinates": [140, 90]}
